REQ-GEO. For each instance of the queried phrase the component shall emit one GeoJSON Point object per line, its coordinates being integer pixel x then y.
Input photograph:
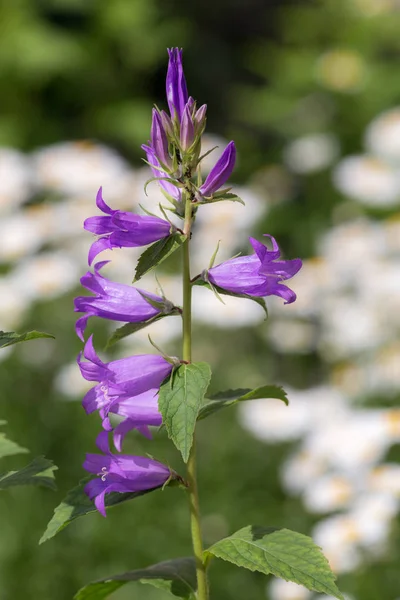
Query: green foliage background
{"type": "Point", "coordinates": [73, 69]}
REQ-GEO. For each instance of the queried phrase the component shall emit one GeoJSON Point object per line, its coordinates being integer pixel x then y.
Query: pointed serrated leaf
{"type": "Point", "coordinates": [232, 397]}
{"type": "Point", "coordinates": [8, 338]}
{"type": "Point", "coordinates": [177, 576]}
{"type": "Point", "coordinates": [280, 552]}
{"type": "Point", "coordinates": [131, 328]}
{"type": "Point", "coordinates": [39, 472]}
{"type": "Point", "coordinates": [8, 447]}
{"type": "Point", "coordinates": [77, 504]}
{"type": "Point", "coordinates": [157, 253]}
{"type": "Point", "coordinates": [179, 402]}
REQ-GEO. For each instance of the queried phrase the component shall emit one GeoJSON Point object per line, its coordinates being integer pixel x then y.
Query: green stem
{"type": "Point", "coordinates": [202, 586]}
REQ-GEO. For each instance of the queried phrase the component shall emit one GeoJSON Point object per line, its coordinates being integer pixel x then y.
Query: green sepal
{"type": "Point", "coordinates": [179, 401]}
{"type": "Point", "coordinates": [221, 196]}
{"type": "Point", "coordinates": [8, 338]}
{"type": "Point", "coordinates": [219, 291]}
{"type": "Point", "coordinates": [280, 552]}
{"type": "Point", "coordinates": [130, 328]}
{"type": "Point", "coordinates": [39, 472]}
{"type": "Point", "coordinates": [77, 504]}
{"type": "Point", "coordinates": [232, 397]}
{"type": "Point", "coordinates": [157, 253]}
{"type": "Point", "coordinates": [177, 576]}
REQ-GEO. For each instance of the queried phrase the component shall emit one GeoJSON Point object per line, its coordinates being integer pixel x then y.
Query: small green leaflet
{"type": "Point", "coordinates": [39, 472]}
{"type": "Point", "coordinates": [179, 402]}
{"type": "Point", "coordinates": [177, 576]}
{"type": "Point", "coordinates": [77, 504]}
{"type": "Point", "coordinates": [8, 447]}
{"type": "Point", "coordinates": [281, 552]}
{"type": "Point", "coordinates": [130, 328]}
{"type": "Point", "coordinates": [232, 397]}
{"type": "Point", "coordinates": [8, 338]}
{"type": "Point", "coordinates": [157, 253]}
{"type": "Point", "coordinates": [224, 197]}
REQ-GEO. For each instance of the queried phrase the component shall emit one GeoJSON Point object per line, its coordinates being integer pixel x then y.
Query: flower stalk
{"type": "Point", "coordinates": [202, 585]}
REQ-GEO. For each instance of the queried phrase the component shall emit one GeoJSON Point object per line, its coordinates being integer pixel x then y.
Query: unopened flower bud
{"type": "Point", "coordinates": [221, 172]}
{"type": "Point", "coordinates": [159, 140]}
{"type": "Point", "coordinates": [177, 95]}
{"type": "Point", "coordinates": [187, 127]}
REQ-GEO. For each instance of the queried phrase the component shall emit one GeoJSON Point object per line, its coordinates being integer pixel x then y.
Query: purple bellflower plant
{"type": "Point", "coordinates": [147, 390]}
{"type": "Point", "coordinates": [120, 229]}
{"type": "Point", "coordinates": [259, 274]}
{"type": "Point", "coordinates": [121, 473]}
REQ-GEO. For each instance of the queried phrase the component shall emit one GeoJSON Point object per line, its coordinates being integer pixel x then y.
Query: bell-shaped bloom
{"type": "Point", "coordinates": [116, 301]}
{"type": "Point", "coordinates": [119, 380]}
{"type": "Point", "coordinates": [177, 94]}
{"type": "Point", "coordinates": [168, 187]}
{"type": "Point", "coordinates": [187, 126]}
{"type": "Point", "coordinates": [159, 140]}
{"type": "Point", "coordinates": [260, 274]}
{"type": "Point", "coordinates": [121, 473]}
{"type": "Point", "coordinates": [221, 171]}
{"type": "Point", "coordinates": [123, 229]}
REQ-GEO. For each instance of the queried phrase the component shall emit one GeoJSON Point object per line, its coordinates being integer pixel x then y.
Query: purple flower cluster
{"type": "Point", "coordinates": [126, 390]}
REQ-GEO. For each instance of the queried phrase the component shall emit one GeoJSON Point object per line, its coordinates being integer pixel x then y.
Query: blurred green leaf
{"type": "Point", "coordinates": [8, 447]}
{"type": "Point", "coordinates": [280, 552]}
{"type": "Point", "coordinates": [177, 576]}
{"type": "Point", "coordinates": [232, 397]}
{"type": "Point", "coordinates": [77, 504]}
{"type": "Point", "coordinates": [179, 401]}
{"type": "Point", "coordinates": [157, 253]}
{"type": "Point", "coordinates": [8, 338]}
{"type": "Point", "coordinates": [39, 472]}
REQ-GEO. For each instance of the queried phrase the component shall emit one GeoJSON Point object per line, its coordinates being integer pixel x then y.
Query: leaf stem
{"type": "Point", "coordinates": [202, 585]}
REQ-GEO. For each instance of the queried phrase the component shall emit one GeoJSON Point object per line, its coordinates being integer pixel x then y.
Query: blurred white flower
{"type": "Point", "coordinates": [19, 237]}
{"type": "Point", "coordinates": [292, 335]}
{"type": "Point", "coordinates": [70, 383]}
{"type": "Point", "coordinates": [13, 305]}
{"type": "Point", "coordinates": [329, 493]}
{"type": "Point", "coordinates": [372, 515]}
{"type": "Point", "coordinates": [208, 309]}
{"type": "Point", "coordinates": [368, 180]}
{"type": "Point", "coordinates": [16, 176]}
{"type": "Point", "coordinates": [382, 136]}
{"type": "Point", "coordinates": [311, 153]}
{"type": "Point", "coordinates": [79, 168]}
{"type": "Point", "coordinates": [338, 537]}
{"type": "Point", "coordinates": [279, 589]}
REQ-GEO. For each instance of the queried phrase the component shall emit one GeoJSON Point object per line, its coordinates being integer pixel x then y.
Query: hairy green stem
{"type": "Point", "coordinates": [202, 586]}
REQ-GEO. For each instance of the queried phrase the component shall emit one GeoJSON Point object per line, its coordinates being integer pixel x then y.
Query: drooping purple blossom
{"type": "Point", "coordinates": [221, 171]}
{"type": "Point", "coordinates": [119, 380]}
{"type": "Point", "coordinates": [159, 140]}
{"type": "Point", "coordinates": [176, 88]}
{"type": "Point", "coordinates": [115, 301]}
{"type": "Point", "coordinates": [259, 274]}
{"type": "Point", "coordinates": [123, 229]}
{"type": "Point", "coordinates": [171, 189]}
{"type": "Point", "coordinates": [121, 473]}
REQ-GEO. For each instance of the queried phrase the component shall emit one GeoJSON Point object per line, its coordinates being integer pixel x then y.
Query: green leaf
{"type": "Point", "coordinates": [232, 397]}
{"type": "Point", "coordinates": [130, 328]}
{"type": "Point", "coordinates": [157, 253]}
{"type": "Point", "coordinates": [177, 576]}
{"type": "Point", "coordinates": [77, 504]}
{"type": "Point", "coordinates": [8, 447]}
{"type": "Point", "coordinates": [223, 197]}
{"type": "Point", "coordinates": [179, 401]}
{"type": "Point", "coordinates": [39, 472]}
{"type": "Point", "coordinates": [8, 338]}
{"type": "Point", "coordinates": [281, 552]}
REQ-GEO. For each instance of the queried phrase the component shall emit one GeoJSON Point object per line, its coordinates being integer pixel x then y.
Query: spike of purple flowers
{"type": "Point", "coordinates": [259, 274]}
{"type": "Point", "coordinates": [123, 229]}
{"type": "Point", "coordinates": [121, 473]}
{"type": "Point", "coordinates": [221, 171]}
{"type": "Point", "coordinates": [177, 94]}
{"type": "Point", "coordinates": [115, 301]}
